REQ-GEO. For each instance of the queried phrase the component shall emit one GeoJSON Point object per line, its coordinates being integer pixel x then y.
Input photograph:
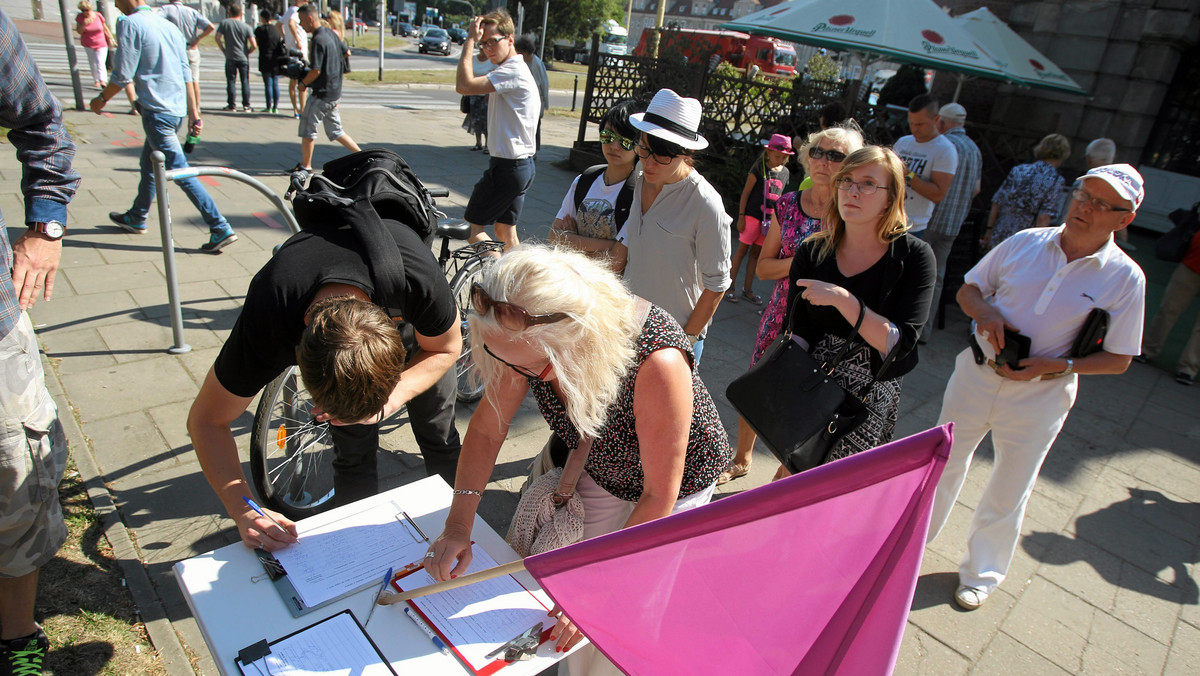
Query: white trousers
{"type": "Point", "coordinates": [604, 513]}
{"type": "Point", "coordinates": [1024, 419]}
{"type": "Point", "coordinates": [96, 59]}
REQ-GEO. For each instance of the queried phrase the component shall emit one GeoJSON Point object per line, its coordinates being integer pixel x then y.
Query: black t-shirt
{"type": "Point", "coordinates": [264, 338]}
{"type": "Point", "coordinates": [270, 48]}
{"type": "Point", "coordinates": [760, 203]}
{"type": "Point", "coordinates": [326, 55]}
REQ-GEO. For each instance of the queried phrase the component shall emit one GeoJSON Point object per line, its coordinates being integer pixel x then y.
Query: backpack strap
{"type": "Point", "coordinates": [624, 197]}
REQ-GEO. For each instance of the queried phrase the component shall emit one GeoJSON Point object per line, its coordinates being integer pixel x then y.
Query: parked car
{"type": "Point", "coordinates": [360, 25]}
{"type": "Point", "coordinates": [457, 35]}
{"type": "Point", "coordinates": [435, 40]}
{"type": "Point", "coordinates": [404, 30]}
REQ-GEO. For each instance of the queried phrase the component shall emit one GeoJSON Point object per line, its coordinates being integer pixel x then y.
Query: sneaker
{"type": "Point", "coordinates": [274, 111]}
{"type": "Point", "coordinates": [265, 110]}
{"type": "Point", "coordinates": [229, 109]}
{"type": "Point", "coordinates": [247, 109]}
{"type": "Point", "coordinates": [969, 598]}
{"type": "Point", "coordinates": [127, 222]}
{"type": "Point", "coordinates": [1183, 378]}
{"type": "Point", "coordinates": [24, 656]}
{"type": "Point", "coordinates": [218, 241]}
{"type": "Point", "coordinates": [1142, 358]}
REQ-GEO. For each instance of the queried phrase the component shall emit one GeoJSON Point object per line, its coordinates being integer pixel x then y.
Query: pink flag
{"type": "Point", "coordinates": [813, 574]}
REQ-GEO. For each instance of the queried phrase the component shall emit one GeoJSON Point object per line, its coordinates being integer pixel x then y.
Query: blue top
{"type": "Point", "coordinates": [42, 145]}
{"type": "Point", "coordinates": [153, 57]}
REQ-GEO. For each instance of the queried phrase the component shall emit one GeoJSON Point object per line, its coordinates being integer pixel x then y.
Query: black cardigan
{"type": "Point", "coordinates": [904, 296]}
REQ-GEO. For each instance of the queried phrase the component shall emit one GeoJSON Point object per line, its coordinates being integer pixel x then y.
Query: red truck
{"type": "Point", "coordinates": [741, 49]}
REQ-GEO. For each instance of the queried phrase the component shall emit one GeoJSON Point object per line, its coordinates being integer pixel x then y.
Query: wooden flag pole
{"type": "Point", "coordinates": [506, 569]}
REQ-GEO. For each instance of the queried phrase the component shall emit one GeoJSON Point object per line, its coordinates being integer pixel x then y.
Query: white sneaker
{"type": "Point", "coordinates": [969, 598]}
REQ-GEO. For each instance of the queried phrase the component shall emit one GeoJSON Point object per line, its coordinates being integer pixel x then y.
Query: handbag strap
{"type": "Point", "coordinates": [837, 359]}
{"type": "Point", "coordinates": [572, 471]}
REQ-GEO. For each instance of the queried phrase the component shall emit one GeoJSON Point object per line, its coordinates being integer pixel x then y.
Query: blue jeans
{"type": "Point", "coordinates": [234, 70]}
{"type": "Point", "coordinates": [160, 131]}
{"type": "Point", "coordinates": [272, 87]}
{"type": "Point", "coordinates": [697, 350]}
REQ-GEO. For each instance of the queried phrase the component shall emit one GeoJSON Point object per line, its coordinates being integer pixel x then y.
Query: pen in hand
{"type": "Point", "coordinates": [254, 505]}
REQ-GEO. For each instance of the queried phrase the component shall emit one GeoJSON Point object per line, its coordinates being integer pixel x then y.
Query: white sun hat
{"type": "Point", "coordinates": [673, 118]}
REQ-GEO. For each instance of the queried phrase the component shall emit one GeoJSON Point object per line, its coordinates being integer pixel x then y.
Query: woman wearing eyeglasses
{"type": "Point", "coordinates": [864, 255]}
{"type": "Point", "coordinates": [590, 222]}
{"type": "Point", "coordinates": [797, 215]}
{"type": "Point", "coordinates": [562, 325]}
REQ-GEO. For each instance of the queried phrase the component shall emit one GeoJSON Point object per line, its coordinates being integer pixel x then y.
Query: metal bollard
{"type": "Point", "coordinates": [575, 93]}
{"type": "Point", "coordinates": [168, 245]}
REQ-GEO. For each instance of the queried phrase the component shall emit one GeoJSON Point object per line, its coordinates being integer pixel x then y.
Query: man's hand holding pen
{"type": "Point", "coordinates": [261, 529]}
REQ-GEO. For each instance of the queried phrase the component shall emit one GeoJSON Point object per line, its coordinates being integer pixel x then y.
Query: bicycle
{"type": "Point", "coordinates": [291, 454]}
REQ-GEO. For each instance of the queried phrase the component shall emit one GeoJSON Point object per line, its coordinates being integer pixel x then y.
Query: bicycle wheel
{"type": "Point", "coordinates": [470, 385]}
{"type": "Point", "coordinates": [291, 455]}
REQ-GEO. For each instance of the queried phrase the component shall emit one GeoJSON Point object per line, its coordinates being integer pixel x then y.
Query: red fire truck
{"type": "Point", "coordinates": [741, 49]}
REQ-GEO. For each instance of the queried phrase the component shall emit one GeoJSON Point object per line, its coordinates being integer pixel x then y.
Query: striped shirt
{"type": "Point", "coordinates": [43, 147]}
{"type": "Point", "coordinates": [949, 214]}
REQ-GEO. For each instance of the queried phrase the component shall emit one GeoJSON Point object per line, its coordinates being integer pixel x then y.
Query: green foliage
{"type": "Point", "coordinates": [571, 20]}
{"type": "Point", "coordinates": [909, 81]}
{"type": "Point", "coordinates": [822, 68]}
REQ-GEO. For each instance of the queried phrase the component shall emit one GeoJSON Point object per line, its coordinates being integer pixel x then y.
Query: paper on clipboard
{"type": "Point", "coordinates": [350, 554]}
{"type": "Point", "coordinates": [337, 645]}
{"type": "Point", "coordinates": [476, 619]}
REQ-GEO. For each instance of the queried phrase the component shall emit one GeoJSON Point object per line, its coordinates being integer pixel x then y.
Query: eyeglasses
{"type": "Point", "coordinates": [607, 137]}
{"type": "Point", "coordinates": [864, 187]}
{"type": "Point", "coordinates": [644, 152]}
{"type": "Point", "coordinates": [1098, 205]}
{"type": "Point", "coordinates": [509, 316]}
{"type": "Point", "coordinates": [492, 42]}
{"type": "Point", "coordinates": [834, 156]}
{"type": "Point", "coordinates": [528, 373]}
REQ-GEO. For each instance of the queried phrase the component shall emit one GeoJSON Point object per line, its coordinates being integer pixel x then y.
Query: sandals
{"type": "Point", "coordinates": [752, 297]}
{"type": "Point", "coordinates": [733, 472]}
{"type": "Point", "coordinates": [730, 296]}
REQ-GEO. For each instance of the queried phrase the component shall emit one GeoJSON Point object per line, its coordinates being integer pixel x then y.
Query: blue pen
{"type": "Point", "coordinates": [437, 642]}
{"type": "Point", "coordinates": [387, 577]}
{"type": "Point", "coordinates": [254, 505]}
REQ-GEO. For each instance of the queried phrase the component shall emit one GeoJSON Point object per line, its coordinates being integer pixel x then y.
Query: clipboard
{"type": "Point", "coordinates": [276, 573]}
{"type": "Point", "coordinates": [492, 666]}
{"type": "Point", "coordinates": [342, 630]}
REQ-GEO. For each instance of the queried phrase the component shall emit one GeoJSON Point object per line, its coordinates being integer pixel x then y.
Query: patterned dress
{"type": "Point", "coordinates": [796, 226]}
{"type": "Point", "coordinates": [615, 460]}
{"type": "Point", "coordinates": [1030, 190]}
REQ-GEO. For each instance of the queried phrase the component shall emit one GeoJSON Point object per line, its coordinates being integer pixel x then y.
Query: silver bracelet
{"type": "Point", "coordinates": [459, 491]}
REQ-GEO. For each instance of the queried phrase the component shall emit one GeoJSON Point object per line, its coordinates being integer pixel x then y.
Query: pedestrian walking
{"type": "Point", "coordinates": [236, 40]}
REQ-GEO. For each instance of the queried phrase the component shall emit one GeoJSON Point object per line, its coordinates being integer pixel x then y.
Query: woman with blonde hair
{"type": "Point", "coordinates": [96, 39]}
{"type": "Point", "coordinates": [1031, 194]}
{"type": "Point", "coordinates": [797, 215]}
{"type": "Point", "coordinates": [864, 261]}
{"type": "Point", "coordinates": [562, 325]}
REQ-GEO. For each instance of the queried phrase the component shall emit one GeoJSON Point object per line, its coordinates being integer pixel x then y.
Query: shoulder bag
{"type": "Point", "coordinates": [1173, 246]}
{"type": "Point", "coordinates": [793, 403]}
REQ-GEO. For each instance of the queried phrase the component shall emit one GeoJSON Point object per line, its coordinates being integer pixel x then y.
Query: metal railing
{"type": "Point", "coordinates": [161, 176]}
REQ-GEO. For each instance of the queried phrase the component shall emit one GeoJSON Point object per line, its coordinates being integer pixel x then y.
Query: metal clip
{"type": "Point", "coordinates": [523, 647]}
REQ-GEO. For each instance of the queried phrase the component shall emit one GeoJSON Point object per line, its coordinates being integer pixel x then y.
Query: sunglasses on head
{"type": "Point", "coordinates": [831, 155]}
{"type": "Point", "coordinates": [507, 315]}
{"type": "Point", "coordinates": [607, 137]}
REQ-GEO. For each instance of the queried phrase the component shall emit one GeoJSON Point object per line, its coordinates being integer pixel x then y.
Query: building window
{"type": "Point", "coordinates": [1174, 144]}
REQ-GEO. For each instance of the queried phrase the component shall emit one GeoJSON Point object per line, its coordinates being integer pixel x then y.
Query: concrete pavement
{"type": "Point", "coordinates": [1103, 582]}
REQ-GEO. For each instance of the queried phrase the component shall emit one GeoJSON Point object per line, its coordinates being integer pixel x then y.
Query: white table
{"type": "Point", "coordinates": [234, 612]}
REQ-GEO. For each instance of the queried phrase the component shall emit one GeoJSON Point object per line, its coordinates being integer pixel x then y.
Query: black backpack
{"type": "Point", "coordinates": [362, 189]}
{"type": "Point", "coordinates": [624, 198]}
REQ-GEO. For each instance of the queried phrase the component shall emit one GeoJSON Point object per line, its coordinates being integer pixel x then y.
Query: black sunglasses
{"type": "Point", "coordinates": [509, 316]}
{"type": "Point", "coordinates": [521, 370]}
{"type": "Point", "coordinates": [831, 155]}
{"type": "Point", "coordinates": [607, 137]}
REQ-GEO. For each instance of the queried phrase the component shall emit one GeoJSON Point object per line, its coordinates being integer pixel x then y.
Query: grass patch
{"type": "Point", "coordinates": [82, 602]}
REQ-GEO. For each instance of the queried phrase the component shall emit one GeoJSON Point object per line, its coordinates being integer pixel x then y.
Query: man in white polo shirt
{"type": "Point", "coordinates": [513, 110]}
{"type": "Point", "coordinates": [931, 160]}
{"type": "Point", "coordinates": [1043, 283]}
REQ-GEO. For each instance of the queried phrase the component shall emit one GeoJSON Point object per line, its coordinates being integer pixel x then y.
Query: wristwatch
{"type": "Point", "coordinates": [52, 229]}
{"type": "Point", "coordinates": [1063, 373]}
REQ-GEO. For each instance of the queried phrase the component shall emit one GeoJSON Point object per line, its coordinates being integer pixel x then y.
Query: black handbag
{"type": "Point", "coordinates": [464, 105]}
{"type": "Point", "coordinates": [793, 403]}
{"type": "Point", "coordinates": [1091, 337]}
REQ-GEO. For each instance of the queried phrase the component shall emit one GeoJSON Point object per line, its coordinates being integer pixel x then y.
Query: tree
{"type": "Point", "coordinates": [570, 19]}
{"type": "Point", "coordinates": [822, 68]}
{"type": "Point", "coordinates": [909, 81]}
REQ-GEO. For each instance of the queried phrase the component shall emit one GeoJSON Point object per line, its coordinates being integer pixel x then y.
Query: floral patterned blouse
{"type": "Point", "coordinates": [615, 462]}
{"type": "Point", "coordinates": [1030, 190]}
{"type": "Point", "coordinates": [797, 226]}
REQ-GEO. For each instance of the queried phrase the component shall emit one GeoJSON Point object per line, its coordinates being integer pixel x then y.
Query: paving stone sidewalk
{"type": "Point", "coordinates": [1103, 582]}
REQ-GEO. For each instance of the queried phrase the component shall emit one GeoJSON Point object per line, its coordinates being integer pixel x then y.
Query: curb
{"type": "Point", "coordinates": [153, 614]}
